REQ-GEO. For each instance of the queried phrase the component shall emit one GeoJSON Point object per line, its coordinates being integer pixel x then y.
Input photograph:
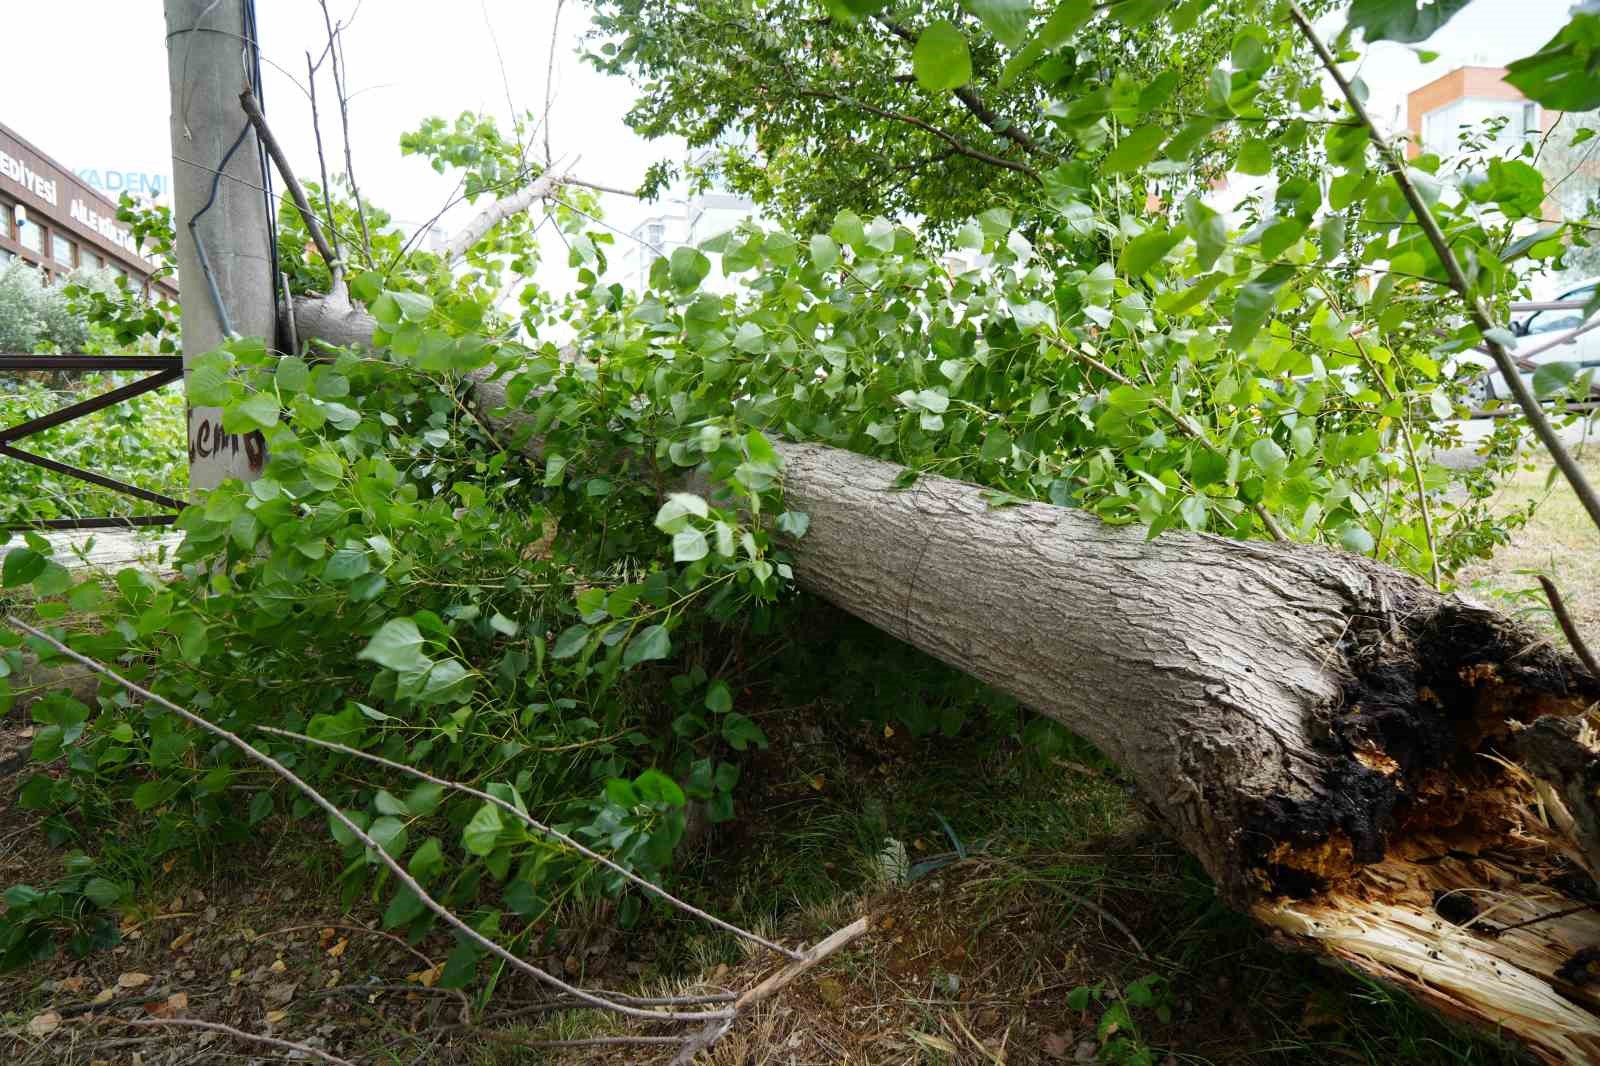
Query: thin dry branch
{"type": "Point", "coordinates": [336, 47]}
{"type": "Point", "coordinates": [540, 827]}
{"type": "Point", "coordinates": [770, 987]}
{"type": "Point", "coordinates": [374, 848]}
{"type": "Point", "coordinates": [549, 83]}
{"type": "Point", "coordinates": [237, 1034]}
{"type": "Point", "coordinates": [1558, 607]}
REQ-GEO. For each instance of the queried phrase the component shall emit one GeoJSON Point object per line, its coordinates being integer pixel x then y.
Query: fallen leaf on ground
{"type": "Point", "coordinates": [181, 941]}
{"type": "Point", "coordinates": [276, 1016]}
{"type": "Point", "coordinates": [338, 949]}
{"type": "Point", "coordinates": [72, 984]}
{"type": "Point", "coordinates": [426, 978]}
{"type": "Point", "coordinates": [105, 995]}
{"type": "Point", "coordinates": [831, 991]}
{"type": "Point", "coordinates": [278, 966]}
{"type": "Point", "coordinates": [133, 980]}
{"type": "Point", "coordinates": [1056, 1045]}
{"type": "Point", "coordinates": [280, 994]}
{"type": "Point", "coordinates": [44, 1024]}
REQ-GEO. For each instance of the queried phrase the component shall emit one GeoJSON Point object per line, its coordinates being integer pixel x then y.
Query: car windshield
{"type": "Point", "coordinates": [1564, 318]}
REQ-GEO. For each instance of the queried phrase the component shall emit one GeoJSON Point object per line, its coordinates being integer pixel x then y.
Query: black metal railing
{"type": "Point", "coordinates": [169, 368]}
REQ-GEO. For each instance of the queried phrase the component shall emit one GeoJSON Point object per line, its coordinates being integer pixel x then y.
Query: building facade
{"type": "Point", "coordinates": [54, 221]}
{"type": "Point", "coordinates": [1460, 102]}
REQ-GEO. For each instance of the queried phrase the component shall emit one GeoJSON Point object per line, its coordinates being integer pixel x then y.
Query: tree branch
{"type": "Point", "coordinates": [974, 103]}
{"type": "Point", "coordinates": [961, 147]}
{"type": "Point", "coordinates": [498, 212]}
{"type": "Point", "coordinates": [252, 110]}
{"type": "Point", "coordinates": [1458, 279]}
{"type": "Point", "coordinates": [1558, 607]}
{"type": "Point", "coordinates": [238, 1034]}
{"type": "Point", "coordinates": [374, 848]}
{"type": "Point", "coordinates": [539, 827]}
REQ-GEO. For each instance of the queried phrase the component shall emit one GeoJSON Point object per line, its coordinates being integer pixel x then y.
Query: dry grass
{"type": "Point", "coordinates": [1559, 541]}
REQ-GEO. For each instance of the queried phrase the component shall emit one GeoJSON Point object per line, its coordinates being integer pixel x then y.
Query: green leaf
{"type": "Point", "coordinates": [1356, 538]}
{"type": "Point", "coordinates": [761, 452]}
{"type": "Point", "coordinates": [1267, 455]}
{"type": "Point", "coordinates": [687, 268]}
{"type": "Point", "coordinates": [21, 566]}
{"type": "Point", "coordinates": [656, 787]}
{"type": "Point", "coordinates": [940, 59]}
{"type": "Point", "coordinates": [1564, 75]}
{"type": "Point", "coordinates": [649, 643]}
{"type": "Point", "coordinates": [1208, 228]}
{"type": "Point", "coordinates": [1006, 19]}
{"type": "Point", "coordinates": [1254, 303]}
{"type": "Point", "coordinates": [1255, 157]}
{"type": "Point", "coordinates": [1136, 148]}
{"type": "Point", "coordinates": [397, 645]}
{"type": "Point", "coordinates": [258, 410]}
{"type": "Point", "coordinates": [292, 375]}
{"type": "Point", "coordinates": [1331, 237]}
{"type": "Point", "coordinates": [390, 834]}
{"type": "Point", "coordinates": [570, 642]}
{"type": "Point", "coordinates": [346, 564]}
{"type": "Point", "coordinates": [824, 252]}
{"type": "Point", "coordinates": [719, 697]}
{"type": "Point", "coordinates": [414, 306]}
{"type": "Point", "coordinates": [483, 831]}
{"type": "Point", "coordinates": [1552, 378]}
{"type": "Point", "coordinates": [689, 545]}
{"type": "Point", "coordinates": [740, 732]}
{"type": "Point", "coordinates": [675, 513]}
{"type": "Point", "coordinates": [1405, 21]}
{"type": "Point", "coordinates": [103, 892]}
{"type": "Point", "coordinates": [427, 862]}
{"type": "Point", "coordinates": [1148, 249]}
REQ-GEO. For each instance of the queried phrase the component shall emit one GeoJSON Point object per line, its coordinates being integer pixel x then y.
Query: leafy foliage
{"type": "Point", "coordinates": [556, 622]}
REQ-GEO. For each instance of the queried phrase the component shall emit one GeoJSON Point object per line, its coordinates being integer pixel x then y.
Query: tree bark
{"type": "Point", "coordinates": [1328, 736]}
{"type": "Point", "coordinates": [219, 214]}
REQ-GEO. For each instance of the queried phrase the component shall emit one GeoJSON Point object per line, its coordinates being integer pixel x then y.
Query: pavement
{"type": "Point", "coordinates": [114, 549]}
{"type": "Point", "coordinates": [1475, 430]}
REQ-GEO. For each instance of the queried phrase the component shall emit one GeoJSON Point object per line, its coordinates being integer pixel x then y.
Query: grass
{"type": "Point", "coordinates": [1559, 541]}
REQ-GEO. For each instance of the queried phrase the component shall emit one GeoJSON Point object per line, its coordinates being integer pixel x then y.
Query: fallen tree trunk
{"type": "Point", "coordinates": [1335, 741]}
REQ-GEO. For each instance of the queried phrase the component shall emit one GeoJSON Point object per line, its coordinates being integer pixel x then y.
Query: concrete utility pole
{"type": "Point", "coordinates": [209, 63]}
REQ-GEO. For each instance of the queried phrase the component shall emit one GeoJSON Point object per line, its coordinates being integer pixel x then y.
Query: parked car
{"type": "Point", "coordinates": [1535, 330]}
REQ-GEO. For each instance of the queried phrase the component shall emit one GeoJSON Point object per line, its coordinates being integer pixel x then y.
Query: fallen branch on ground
{"type": "Point", "coordinates": [721, 1019]}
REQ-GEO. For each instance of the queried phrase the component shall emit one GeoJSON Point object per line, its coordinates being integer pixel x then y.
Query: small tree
{"type": "Point", "coordinates": [34, 316]}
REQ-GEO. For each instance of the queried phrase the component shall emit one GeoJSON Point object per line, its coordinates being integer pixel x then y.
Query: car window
{"type": "Point", "coordinates": [1562, 319]}
{"type": "Point", "coordinates": [1551, 321]}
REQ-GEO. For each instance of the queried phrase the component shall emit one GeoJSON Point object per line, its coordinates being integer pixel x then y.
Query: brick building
{"type": "Point", "coordinates": [1439, 112]}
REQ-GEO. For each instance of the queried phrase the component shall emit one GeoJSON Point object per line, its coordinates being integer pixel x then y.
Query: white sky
{"type": "Point", "coordinates": [100, 99]}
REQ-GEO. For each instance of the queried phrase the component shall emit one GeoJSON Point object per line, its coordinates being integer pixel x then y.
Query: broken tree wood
{"type": "Point", "coordinates": [1334, 740]}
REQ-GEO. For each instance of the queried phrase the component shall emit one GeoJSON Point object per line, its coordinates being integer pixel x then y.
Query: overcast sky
{"type": "Point", "coordinates": [91, 87]}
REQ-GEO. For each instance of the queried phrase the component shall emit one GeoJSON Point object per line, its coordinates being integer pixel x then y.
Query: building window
{"type": "Point", "coordinates": [654, 234]}
{"type": "Point", "coordinates": [1512, 122]}
{"type": "Point", "coordinates": [30, 235]}
{"type": "Point", "coordinates": [90, 260]}
{"type": "Point", "coordinates": [6, 255]}
{"type": "Point", "coordinates": [61, 249]}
